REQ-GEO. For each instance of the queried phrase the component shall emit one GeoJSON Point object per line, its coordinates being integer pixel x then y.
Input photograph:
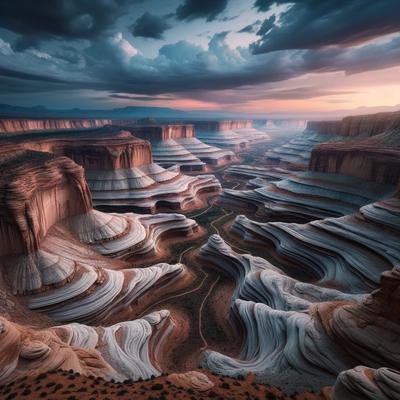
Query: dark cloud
{"type": "Point", "coordinates": [184, 67]}
{"type": "Point", "coordinates": [73, 19]}
{"type": "Point", "coordinates": [309, 24]}
{"type": "Point", "coordinates": [140, 98]}
{"type": "Point", "coordinates": [192, 9]}
{"type": "Point", "coordinates": [246, 94]}
{"type": "Point", "coordinates": [266, 26]}
{"type": "Point", "coordinates": [306, 92]}
{"type": "Point", "coordinates": [150, 26]}
{"type": "Point", "coordinates": [12, 73]}
{"type": "Point", "coordinates": [265, 5]}
{"type": "Point", "coordinates": [252, 28]}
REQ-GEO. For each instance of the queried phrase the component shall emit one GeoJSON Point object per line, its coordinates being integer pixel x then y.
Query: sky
{"type": "Point", "coordinates": [242, 56]}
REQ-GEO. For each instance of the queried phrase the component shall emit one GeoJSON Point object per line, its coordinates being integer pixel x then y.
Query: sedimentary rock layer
{"type": "Point", "coordinates": [54, 250]}
{"type": "Point", "coordinates": [127, 350]}
{"type": "Point", "coordinates": [36, 191]}
{"type": "Point", "coordinates": [309, 195]}
{"type": "Point", "coordinates": [167, 151]}
{"type": "Point", "coordinates": [284, 342]}
{"type": "Point", "coordinates": [19, 125]}
{"type": "Point", "coordinates": [297, 150]}
{"type": "Point", "coordinates": [264, 173]}
{"type": "Point", "coordinates": [373, 159]}
{"type": "Point", "coordinates": [301, 336]}
{"type": "Point", "coordinates": [367, 383]}
{"type": "Point", "coordinates": [120, 172]}
{"type": "Point", "coordinates": [206, 153]}
{"type": "Point", "coordinates": [361, 125]}
{"type": "Point", "coordinates": [221, 134]}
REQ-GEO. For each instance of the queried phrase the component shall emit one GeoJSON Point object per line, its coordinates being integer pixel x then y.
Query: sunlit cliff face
{"type": "Point", "coordinates": [232, 55]}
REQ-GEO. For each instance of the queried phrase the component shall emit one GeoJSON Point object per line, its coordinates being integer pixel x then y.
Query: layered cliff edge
{"type": "Point", "coordinates": [360, 125]}
{"type": "Point", "coordinates": [26, 125]}
{"type": "Point", "coordinates": [371, 149]}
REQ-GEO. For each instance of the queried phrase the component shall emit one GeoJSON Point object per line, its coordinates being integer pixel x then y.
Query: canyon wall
{"type": "Point", "coordinates": [118, 150]}
{"type": "Point", "coordinates": [37, 190]}
{"type": "Point", "coordinates": [107, 154]}
{"type": "Point", "coordinates": [156, 133]}
{"type": "Point", "coordinates": [360, 125]}
{"type": "Point", "coordinates": [377, 164]}
{"type": "Point", "coordinates": [325, 127]}
{"type": "Point", "coordinates": [370, 147]}
{"type": "Point", "coordinates": [213, 126]}
{"type": "Point", "coordinates": [19, 125]}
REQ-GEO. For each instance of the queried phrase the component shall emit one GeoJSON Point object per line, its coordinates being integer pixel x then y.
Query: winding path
{"type": "Point", "coordinates": [205, 276]}
{"type": "Point", "coordinates": [201, 313]}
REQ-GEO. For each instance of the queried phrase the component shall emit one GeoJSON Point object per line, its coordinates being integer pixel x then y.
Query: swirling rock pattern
{"type": "Point", "coordinates": [284, 343]}
{"type": "Point", "coordinates": [123, 351]}
{"type": "Point", "coordinates": [310, 195]}
{"type": "Point", "coordinates": [350, 251]}
{"type": "Point", "coordinates": [367, 383]}
{"type": "Point", "coordinates": [301, 336]}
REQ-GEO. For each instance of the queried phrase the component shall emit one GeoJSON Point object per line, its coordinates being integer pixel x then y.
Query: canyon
{"type": "Point", "coordinates": [281, 267]}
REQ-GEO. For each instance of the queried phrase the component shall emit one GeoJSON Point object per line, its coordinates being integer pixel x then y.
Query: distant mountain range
{"type": "Point", "coordinates": [170, 114]}
{"type": "Point", "coordinates": [115, 113]}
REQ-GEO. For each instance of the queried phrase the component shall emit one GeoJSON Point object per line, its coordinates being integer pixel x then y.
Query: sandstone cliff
{"type": "Point", "coordinates": [36, 191]}
{"type": "Point", "coordinates": [108, 154]}
{"type": "Point", "coordinates": [373, 159]}
{"type": "Point", "coordinates": [156, 133]}
{"type": "Point", "coordinates": [114, 149]}
{"type": "Point", "coordinates": [19, 125]}
{"type": "Point", "coordinates": [360, 125]}
{"type": "Point", "coordinates": [212, 126]}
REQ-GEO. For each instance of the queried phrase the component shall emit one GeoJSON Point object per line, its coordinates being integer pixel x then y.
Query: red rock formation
{"type": "Point", "coordinates": [213, 126]}
{"type": "Point", "coordinates": [25, 125]}
{"type": "Point", "coordinates": [117, 150]}
{"type": "Point", "coordinates": [37, 190]}
{"type": "Point", "coordinates": [107, 154]}
{"type": "Point", "coordinates": [325, 127]}
{"type": "Point", "coordinates": [360, 125]}
{"type": "Point", "coordinates": [19, 125]}
{"type": "Point", "coordinates": [368, 331]}
{"type": "Point", "coordinates": [156, 133]}
{"type": "Point", "coordinates": [373, 159]}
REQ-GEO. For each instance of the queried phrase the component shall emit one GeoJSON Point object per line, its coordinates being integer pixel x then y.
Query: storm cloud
{"type": "Point", "coordinates": [208, 9]}
{"type": "Point", "coordinates": [72, 19]}
{"type": "Point", "coordinates": [102, 46]}
{"type": "Point", "coordinates": [314, 24]}
{"type": "Point", "coordinates": [150, 26]}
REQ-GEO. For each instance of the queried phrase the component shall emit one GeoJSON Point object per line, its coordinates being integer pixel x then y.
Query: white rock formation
{"type": "Point", "coordinates": [127, 350]}
{"type": "Point", "coordinates": [350, 251]}
{"type": "Point", "coordinates": [300, 336]}
{"type": "Point", "coordinates": [310, 195]}
{"type": "Point", "coordinates": [209, 154]}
